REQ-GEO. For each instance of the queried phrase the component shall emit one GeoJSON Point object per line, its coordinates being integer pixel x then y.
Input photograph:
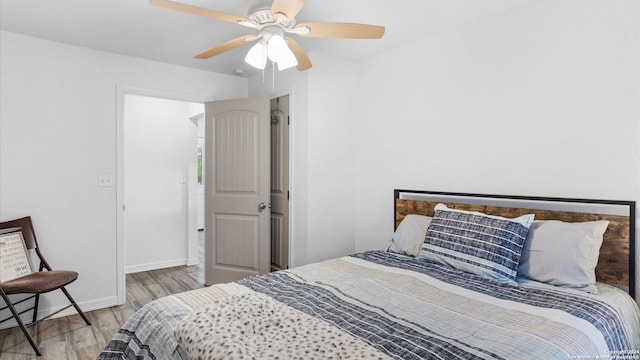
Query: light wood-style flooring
{"type": "Point", "coordinates": [70, 338]}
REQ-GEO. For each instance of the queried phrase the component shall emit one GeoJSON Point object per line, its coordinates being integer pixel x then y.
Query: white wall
{"type": "Point", "coordinates": [541, 100]}
{"type": "Point", "coordinates": [58, 132]}
{"type": "Point", "coordinates": [157, 135]}
{"type": "Point", "coordinates": [331, 158]}
{"type": "Point", "coordinates": [544, 91]}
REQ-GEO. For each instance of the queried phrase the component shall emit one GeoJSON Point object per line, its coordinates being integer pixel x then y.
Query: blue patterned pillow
{"type": "Point", "coordinates": [482, 244]}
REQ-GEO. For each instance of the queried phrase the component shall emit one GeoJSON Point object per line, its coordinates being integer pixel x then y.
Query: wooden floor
{"type": "Point", "coordinates": [70, 338]}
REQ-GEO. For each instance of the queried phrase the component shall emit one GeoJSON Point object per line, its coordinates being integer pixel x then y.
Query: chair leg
{"type": "Point", "coordinates": [73, 302]}
{"type": "Point", "coordinates": [24, 329]}
{"type": "Point", "coordinates": [35, 308]}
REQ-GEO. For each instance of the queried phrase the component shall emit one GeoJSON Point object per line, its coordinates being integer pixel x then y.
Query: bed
{"type": "Point", "coordinates": [528, 293]}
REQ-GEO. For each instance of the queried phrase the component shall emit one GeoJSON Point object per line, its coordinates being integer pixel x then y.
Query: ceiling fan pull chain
{"type": "Point", "coordinates": [273, 75]}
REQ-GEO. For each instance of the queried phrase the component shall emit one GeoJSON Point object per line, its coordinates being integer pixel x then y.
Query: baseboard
{"type": "Point", "coordinates": [154, 266]}
{"type": "Point", "coordinates": [86, 306]}
{"type": "Point", "coordinates": [193, 261]}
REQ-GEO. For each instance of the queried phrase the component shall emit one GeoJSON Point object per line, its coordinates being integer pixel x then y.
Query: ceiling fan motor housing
{"type": "Point", "coordinates": [263, 17]}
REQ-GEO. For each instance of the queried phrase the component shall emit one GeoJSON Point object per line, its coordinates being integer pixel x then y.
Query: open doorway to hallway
{"type": "Point", "coordinates": [160, 183]}
{"type": "Point", "coordinates": [194, 248]}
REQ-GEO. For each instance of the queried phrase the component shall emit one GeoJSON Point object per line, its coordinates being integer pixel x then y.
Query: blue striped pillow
{"type": "Point", "coordinates": [478, 243]}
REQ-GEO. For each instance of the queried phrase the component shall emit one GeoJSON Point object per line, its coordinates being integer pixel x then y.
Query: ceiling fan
{"type": "Point", "coordinates": [272, 25]}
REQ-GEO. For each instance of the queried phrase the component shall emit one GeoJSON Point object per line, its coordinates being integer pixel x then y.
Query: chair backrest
{"type": "Point", "coordinates": [27, 230]}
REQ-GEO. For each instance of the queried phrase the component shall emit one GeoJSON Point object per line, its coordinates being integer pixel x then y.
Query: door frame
{"type": "Point", "coordinates": [121, 92]}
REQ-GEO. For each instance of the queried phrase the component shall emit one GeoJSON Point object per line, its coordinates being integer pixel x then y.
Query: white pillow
{"type": "Point", "coordinates": [563, 254]}
{"type": "Point", "coordinates": [409, 235]}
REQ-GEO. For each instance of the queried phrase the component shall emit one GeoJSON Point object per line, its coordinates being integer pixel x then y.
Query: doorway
{"type": "Point", "coordinates": [157, 176]}
{"type": "Point", "coordinates": [280, 193]}
{"type": "Point", "coordinates": [281, 258]}
{"type": "Point", "coordinates": [247, 188]}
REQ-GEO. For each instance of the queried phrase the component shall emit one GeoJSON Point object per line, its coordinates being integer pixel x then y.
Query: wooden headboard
{"type": "Point", "coordinates": [616, 264]}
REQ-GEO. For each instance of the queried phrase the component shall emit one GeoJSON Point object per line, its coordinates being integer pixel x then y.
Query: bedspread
{"type": "Point", "coordinates": [386, 306]}
{"type": "Point", "coordinates": [256, 326]}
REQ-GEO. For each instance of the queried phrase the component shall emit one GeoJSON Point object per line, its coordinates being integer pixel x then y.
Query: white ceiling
{"type": "Point", "coordinates": [135, 28]}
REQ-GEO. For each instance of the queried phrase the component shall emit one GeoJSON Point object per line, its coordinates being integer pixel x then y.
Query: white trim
{"type": "Point", "coordinates": [121, 91]}
{"type": "Point", "coordinates": [193, 261]}
{"type": "Point", "coordinates": [154, 266]}
{"type": "Point", "coordinates": [192, 197]}
{"type": "Point", "coordinates": [85, 306]}
{"type": "Point", "coordinates": [292, 190]}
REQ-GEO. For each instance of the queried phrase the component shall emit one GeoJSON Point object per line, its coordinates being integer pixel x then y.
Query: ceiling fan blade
{"type": "Point", "coordinates": [303, 60]}
{"type": "Point", "coordinates": [286, 10]}
{"type": "Point", "coordinates": [229, 45]}
{"type": "Point", "coordinates": [198, 11]}
{"type": "Point", "coordinates": [342, 30]}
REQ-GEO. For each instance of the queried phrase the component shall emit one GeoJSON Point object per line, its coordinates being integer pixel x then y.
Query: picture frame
{"type": "Point", "coordinates": [15, 261]}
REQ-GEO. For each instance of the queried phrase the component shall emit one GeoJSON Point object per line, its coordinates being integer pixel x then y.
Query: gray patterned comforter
{"type": "Point", "coordinates": [388, 306]}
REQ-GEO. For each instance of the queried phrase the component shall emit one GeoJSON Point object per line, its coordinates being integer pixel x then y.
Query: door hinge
{"type": "Point", "coordinates": [288, 120]}
{"type": "Point", "coordinates": [287, 194]}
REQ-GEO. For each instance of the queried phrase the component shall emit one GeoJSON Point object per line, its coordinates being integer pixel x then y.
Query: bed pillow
{"type": "Point", "coordinates": [563, 254]}
{"type": "Point", "coordinates": [409, 235]}
{"type": "Point", "coordinates": [478, 243]}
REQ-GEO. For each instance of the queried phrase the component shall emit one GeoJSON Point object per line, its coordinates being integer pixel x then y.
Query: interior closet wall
{"type": "Point", "coordinates": [280, 183]}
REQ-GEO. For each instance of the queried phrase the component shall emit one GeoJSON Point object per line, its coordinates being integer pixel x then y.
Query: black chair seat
{"type": "Point", "coordinates": [39, 282]}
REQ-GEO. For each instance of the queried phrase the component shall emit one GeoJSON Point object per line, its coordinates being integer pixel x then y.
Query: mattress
{"type": "Point", "coordinates": [381, 305]}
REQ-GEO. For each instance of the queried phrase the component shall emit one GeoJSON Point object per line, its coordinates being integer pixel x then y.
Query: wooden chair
{"type": "Point", "coordinates": [38, 282]}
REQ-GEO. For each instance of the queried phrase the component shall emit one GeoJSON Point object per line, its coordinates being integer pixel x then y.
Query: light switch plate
{"type": "Point", "coordinates": [105, 180]}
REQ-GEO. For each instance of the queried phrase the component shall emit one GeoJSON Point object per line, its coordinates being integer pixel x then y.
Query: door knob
{"type": "Point", "coordinates": [263, 205]}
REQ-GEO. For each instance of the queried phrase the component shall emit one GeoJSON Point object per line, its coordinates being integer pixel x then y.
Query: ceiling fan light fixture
{"type": "Point", "coordinates": [288, 60]}
{"type": "Point", "coordinates": [257, 56]}
{"type": "Point", "coordinates": [279, 52]}
{"type": "Point", "coordinates": [277, 48]}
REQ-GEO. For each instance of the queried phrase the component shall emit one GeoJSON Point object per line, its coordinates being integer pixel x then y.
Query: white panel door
{"type": "Point", "coordinates": [237, 145]}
